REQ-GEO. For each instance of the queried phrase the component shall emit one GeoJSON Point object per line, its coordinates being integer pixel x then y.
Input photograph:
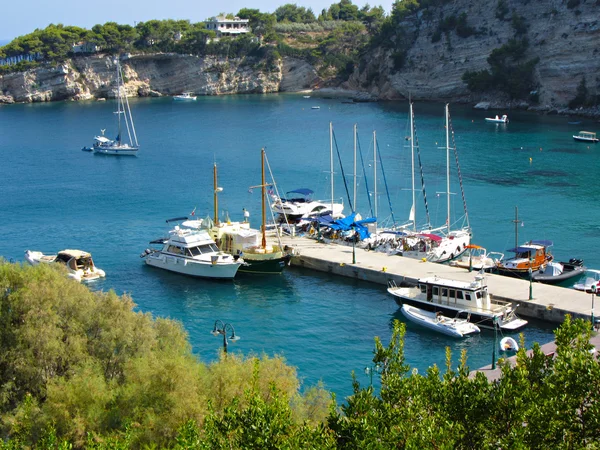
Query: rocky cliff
{"type": "Point", "coordinates": [564, 35]}
{"type": "Point", "coordinates": [154, 75]}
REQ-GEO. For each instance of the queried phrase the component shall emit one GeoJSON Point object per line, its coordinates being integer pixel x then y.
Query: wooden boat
{"type": "Point", "coordinates": [557, 272]}
{"type": "Point", "coordinates": [533, 255]}
{"type": "Point", "coordinates": [586, 136]}
{"type": "Point", "coordinates": [477, 258]}
{"type": "Point", "coordinates": [456, 327]}
{"type": "Point", "coordinates": [503, 119]}
{"type": "Point", "coordinates": [451, 297]}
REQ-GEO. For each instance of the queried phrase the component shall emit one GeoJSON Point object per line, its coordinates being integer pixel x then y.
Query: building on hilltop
{"type": "Point", "coordinates": [228, 27]}
{"type": "Point", "coordinates": [85, 47]}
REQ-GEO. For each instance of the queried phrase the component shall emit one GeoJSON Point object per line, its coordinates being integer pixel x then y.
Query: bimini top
{"type": "Point", "coordinates": [302, 191]}
{"type": "Point", "coordinates": [532, 245]}
{"type": "Point", "coordinates": [74, 253]}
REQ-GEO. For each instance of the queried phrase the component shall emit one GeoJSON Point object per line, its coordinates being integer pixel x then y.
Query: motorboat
{"type": "Point", "coordinates": [497, 119]}
{"type": "Point", "coordinates": [185, 96]}
{"type": "Point", "coordinates": [125, 143]}
{"type": "Point", "coordinates": [451, 297]}
{"type": "Point", "coordinates": [508, 344]}
{"type": "Point", "coordinates": [477, 258]}
{"type": "Point", "coordinates": [557, 272]}
{"type": "Point", "coordinates": [298, 204]}
{"type": "Point", "coordinates": [456, 327]}
{"type": "Point", "coordinates": [80, 265]}
{"type": "Point", "coordinates": [315, 107]}
{"type": "Point", "coordinates": [192, 252]}
{"type": "Point", "coordinates": [586, 136]}
{"type": "Point", "coordinates": [533, 255]}
{"type": "Point", "coordinates": [591, 279]}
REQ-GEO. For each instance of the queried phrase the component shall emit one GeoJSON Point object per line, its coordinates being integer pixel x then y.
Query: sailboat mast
{"type": "Point", "coordinates": [119, 100]}
{"type": "Point", "coordinates": [331, 162]}
{"type": "Point", "coordinates": [263, 193]}
{"type": "Point", "coordinates": [215, 198]}
{"type": "Point", "coordinates": [413, 212]}
{"type": "Point", "coordinates": [355, 132]}
{"type": "Point", "coordinates": [516, 221]}
{"type": "Point", "coordinates": [447, 168]}
{"type": "Point", "coordinates": [375, 168]}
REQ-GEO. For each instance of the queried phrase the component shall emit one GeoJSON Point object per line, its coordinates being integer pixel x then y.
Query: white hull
{"type": "Point", "coordinates": [305, 210]}
{"type": "Point", "coordinates": [457, 328]}
{"type": "Point", "coordinates": [123, 150]}
{"type": "Point", "coordinates": [75, 270]}
{"type": "Point", "coordinates": [223, 268]}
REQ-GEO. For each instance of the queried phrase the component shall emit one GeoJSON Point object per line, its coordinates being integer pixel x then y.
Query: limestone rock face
{"type": "Point", "coordinates": [154, 75]}
{"type": "Point", "coordinates": [566, 41]}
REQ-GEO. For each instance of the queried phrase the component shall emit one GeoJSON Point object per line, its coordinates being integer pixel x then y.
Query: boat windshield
{"type": "Point", "coordinates": [202, 249]}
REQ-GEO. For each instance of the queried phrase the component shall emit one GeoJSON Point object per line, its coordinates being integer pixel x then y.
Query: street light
{"type": "Point", "coordinates": [221, 328]}
{"type": "Point", "coordinates": [354, 245]}
{"type": "Point", "coordinates": [369, 371]}
{"type": "Point", "coordinates": [530, 284]}
{"type": "Point", "coordinates": [495, 322]}
{"type": "Point", "coordinates": [593, 289]}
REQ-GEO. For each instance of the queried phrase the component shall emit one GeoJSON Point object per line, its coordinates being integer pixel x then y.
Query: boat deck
{"type": "Point", "coordinates": [549, 303]}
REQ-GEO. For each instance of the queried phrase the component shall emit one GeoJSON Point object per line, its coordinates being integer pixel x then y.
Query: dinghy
{"type": "Point", "coordinates": [437, 322]}
{"type": "Point", "coordinates": [508, 344]}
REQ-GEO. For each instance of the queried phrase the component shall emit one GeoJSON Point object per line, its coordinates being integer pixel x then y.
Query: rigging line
{"type": "Point", "coordinates": [386, 187]}
{"type": "Point", "coordinates": [343, 175]}
{"type": "Point", "coordinates": [462, 191]}
{"type": "Point", "coordinates": [362, 162]}
{"type": "Point", "coordinates": [416, 145]}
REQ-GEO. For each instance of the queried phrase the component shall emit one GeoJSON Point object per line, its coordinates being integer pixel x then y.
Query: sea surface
{"type": "Point", "coordinates": [55, 196]}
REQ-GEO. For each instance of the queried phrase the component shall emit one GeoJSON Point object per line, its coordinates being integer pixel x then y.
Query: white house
{"type": "Point", "coordinates": [228, 27]}
{"type": "Point", "coordinates": [85, 47]}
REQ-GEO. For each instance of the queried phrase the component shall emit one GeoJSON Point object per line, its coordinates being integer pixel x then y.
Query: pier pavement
{"type": "Point", "coordinates": [549, 303]}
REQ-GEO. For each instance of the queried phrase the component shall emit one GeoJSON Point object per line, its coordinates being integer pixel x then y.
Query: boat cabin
{"type": "Point", "coordinates": [456, 293]}
{"type": "Point", "coordinates": [534, 254]}
{"type": "Point", "coordinates": [189, 243]}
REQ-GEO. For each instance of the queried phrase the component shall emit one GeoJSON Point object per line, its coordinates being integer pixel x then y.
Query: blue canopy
{"type": "Point", "coordinates": [522, 249]}
{"type": "Point", "coordinates": [303, 191]}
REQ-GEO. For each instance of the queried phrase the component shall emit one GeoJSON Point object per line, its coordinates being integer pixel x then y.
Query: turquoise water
{"type": "Point", "coordinates": [55, 196]}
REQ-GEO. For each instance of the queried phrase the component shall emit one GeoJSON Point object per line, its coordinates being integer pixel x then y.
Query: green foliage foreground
{"type": "Point", "coordinates": [82, 369]}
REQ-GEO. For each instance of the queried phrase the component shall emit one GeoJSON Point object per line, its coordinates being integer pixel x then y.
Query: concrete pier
{"type": "Point", "coordinates": [549, 303]}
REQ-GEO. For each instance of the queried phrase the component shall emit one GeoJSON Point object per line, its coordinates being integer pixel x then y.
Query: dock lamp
{"type": "Point", "coordinates": [495, 322]}
{"type": "Point", "coordinates": [530, 284]}
{"type": "Point", "coordinates": [369, 371]}
{"type": "Point", "coordinates": [221, 328]}
{"type": "Point", "coordinates": [354, 245]}
{"type": "Point", "coordinates": [593, 289]}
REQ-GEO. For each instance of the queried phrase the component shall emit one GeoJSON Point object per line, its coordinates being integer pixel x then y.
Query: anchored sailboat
{"type": "Point", "coordinates": [118, 145]}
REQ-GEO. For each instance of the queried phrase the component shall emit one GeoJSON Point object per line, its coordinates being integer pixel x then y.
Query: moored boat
{"type": "Point", "coordinates": [192, 252]}
{"type": "Point", "coordinates": [185, 96]}
{"type": "Point", "coordinates": [586, 136]}
{"type": "Point", "coordinates": [557, 272]}
{"type": "Point", "coordinates": [451, 297]}
{"type": "Point", "coordinates": [497, 119]}
{"type": "Point", "coordinates": [80, 265]}
{"type": "Point", "coordinates": [591, 281]}
{"type": "Point", "coordinates": [508, 344]}
{"type": "Point", "coordinates": [456, 327]}
{"type": "Point", "coordinates": [477, 258]}
{"type": "Point", "coordinates": [532, 256]}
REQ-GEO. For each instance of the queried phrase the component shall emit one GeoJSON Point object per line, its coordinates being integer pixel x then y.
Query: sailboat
{"type": "Point", "coordinates": [436, 245]}
{"type": "Point", "coordinates": [118, 146]}
{"type": "Point", "coordinates": [239, 240]}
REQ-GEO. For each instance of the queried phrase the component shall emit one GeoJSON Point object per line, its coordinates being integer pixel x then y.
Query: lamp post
{"type": "Point", "coordinates": [530, 284]}
{"type": "Point", "coordinates": [369, 371]}
{"type": "Point", "coordinates": [593, 289]}
{"type": "Point", "coordinates": [494, 321]}
{"type": "Point", "coordinates": [222, 328]}
{"type": "Point", "coordinates": [354, 245]}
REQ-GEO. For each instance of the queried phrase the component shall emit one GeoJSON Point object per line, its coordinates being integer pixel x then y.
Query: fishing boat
{"type": "Point", "coordinates": [590, 282]}
{"type": "Point", "coordinates": [503, 119]}
{"type": "Point", "coordinates": [456, 327]}
{"type": "Point", "coordinates": [119, 145]}
{"type": "Point", "coordinates": [586, 136]}
{"type": "Point", "coordinates": [530, 257]}
{"type": "Point", "coordinates": [80, 265]}
{"type": "Point", "coordinates": [451, 297]}
{"type": "Point", "coordinates": [191, 252]}
{"type": "Point", "coordinates": [557, 272]}
{"type": "Point", "coordinates": [185, 96]}
{"type": "Point", "coordinates": [239, 240]}
{"type": "Point", "coordinates": [477, 258]}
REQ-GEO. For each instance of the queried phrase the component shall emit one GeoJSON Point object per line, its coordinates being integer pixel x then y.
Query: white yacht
{"type": "Point", "coordinates": [186, 96]}
{"type": "Point", "coordinates": [192, 252]}
{"type": "Point", "coordinates": [299, 204]}
{"type": "Point", "coordinates": [450, 297]}
{"type": "Point", "coordinates": [80, 266]}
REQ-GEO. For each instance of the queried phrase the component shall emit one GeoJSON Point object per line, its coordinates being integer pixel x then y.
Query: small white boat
{"type": "Point", "coordinates": [184, 97]}
{"type": "Point", "coordinates": [586, 136]}
{"type": "Point", "coordinates": [477, 258]}
{"type": "Point", "coordinates": [192, 252]}
{"type": "Point", "coordinates": [508, 344]}
{"type": "Point", "coordinates": [592, 279]}
{"type": "Point", "coordinates": [80, 265]}
{"type": "Point", "coordinates": [503, 119]}
{"type": "Point", "coordinates": [437, 322]}
{"type": "Point", "coordinates": [315, 107]}
{"type": "Point", "coordinates": [306, 96]}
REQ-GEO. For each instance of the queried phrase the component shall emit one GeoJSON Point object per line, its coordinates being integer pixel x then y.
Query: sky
{"type": "Point", "coordinates": [22, 17]}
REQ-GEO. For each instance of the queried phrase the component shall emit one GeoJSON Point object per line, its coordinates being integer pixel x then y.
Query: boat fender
{"type": "Point", "coordinates": [458, 249]}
